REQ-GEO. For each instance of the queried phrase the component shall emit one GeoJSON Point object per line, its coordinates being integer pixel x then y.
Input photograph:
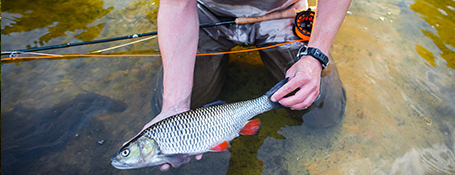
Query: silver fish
{"type": "Point", "coordinates": [206, 129]}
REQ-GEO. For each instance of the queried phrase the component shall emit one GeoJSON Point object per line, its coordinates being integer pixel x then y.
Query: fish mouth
{"type": "Point", "coordinates": [113, 157]}
{"type": "Point", "coordinates": [120, 166]}
{"type": "Point", "coordinates": [123, 166]}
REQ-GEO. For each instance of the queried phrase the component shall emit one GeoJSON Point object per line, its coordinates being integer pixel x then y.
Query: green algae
{"type": "Point", "coordinates": [426, 54]}
{"type": "Point", "coordinates": [439, 14]}
{"type": "Point", "coordinates": [63, 18]}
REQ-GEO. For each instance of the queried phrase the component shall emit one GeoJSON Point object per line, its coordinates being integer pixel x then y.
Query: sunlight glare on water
{"type": "Point", "coordinates": [396, 60]}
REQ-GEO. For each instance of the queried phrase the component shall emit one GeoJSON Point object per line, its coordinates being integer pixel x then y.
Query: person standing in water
{"type": "Point", "coordinates": [188, 81]}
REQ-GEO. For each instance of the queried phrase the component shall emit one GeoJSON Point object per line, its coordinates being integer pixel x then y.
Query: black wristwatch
{"type": "Point", "coordinates": [314, 52]}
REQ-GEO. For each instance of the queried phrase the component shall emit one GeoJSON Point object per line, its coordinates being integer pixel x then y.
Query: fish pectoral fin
{"type": "Point", "coordinates": [221, 147]}
{"type": "Point", "coordinates": [251, 127]}
{"type": "Point", "coordinates": [177, 159]}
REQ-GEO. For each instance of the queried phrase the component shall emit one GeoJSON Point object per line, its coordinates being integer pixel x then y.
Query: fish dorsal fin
{"type": "Point", "coordinates": [221, 147]}
{"type": "Point", "coordinates": [251, 127]}
{"type": "Point", "coordinates": [214, 103]}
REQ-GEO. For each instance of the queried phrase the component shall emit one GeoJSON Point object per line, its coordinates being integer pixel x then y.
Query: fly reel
{"type": "Point", "coordinates": [303, 24]}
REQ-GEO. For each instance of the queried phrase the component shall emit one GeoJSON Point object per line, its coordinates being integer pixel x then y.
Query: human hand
{"type": "Point", "coordinates": [159, 117]}
{"type": "Point", "coordinates": [305, 75]}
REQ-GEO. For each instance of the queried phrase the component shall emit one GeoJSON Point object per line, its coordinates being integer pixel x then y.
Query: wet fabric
{"type": "Point", "coordinates": [242, 8]}
{"type": "Point", "coordinates": [210, 71]}
{"type": "Point", "coordinates": [273, 31]}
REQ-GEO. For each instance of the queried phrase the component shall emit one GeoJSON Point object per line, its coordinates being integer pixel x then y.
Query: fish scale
{"type": "Point", "coordinates": [184, 133]}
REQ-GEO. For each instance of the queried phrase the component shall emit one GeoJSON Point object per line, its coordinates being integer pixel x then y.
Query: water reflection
{"type": "Point", "coordinates": [440, 15]}
{"type": "Point", "coordinates": [437, 159]}
{"type": "Point", "coordinates": [135, 17]}
{"type": "Point", "coordinates": [58, 16]}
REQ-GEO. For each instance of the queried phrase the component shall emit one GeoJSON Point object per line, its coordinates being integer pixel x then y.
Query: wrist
{"type": "Point", "coordinates": [176, 105]}
{"type": "Point", "coordinates": [311, 62]}
{"type": "Point", "coordinates": [177, 88]}
{"type": "Point", "coordinates": [317, 54]}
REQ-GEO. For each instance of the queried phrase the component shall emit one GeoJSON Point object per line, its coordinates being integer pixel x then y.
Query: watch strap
{"type": "Point", "coordinates": [315, 53]}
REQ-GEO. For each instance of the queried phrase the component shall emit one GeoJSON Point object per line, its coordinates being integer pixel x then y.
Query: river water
{"type": "Point", "coordinates": [396, 60]}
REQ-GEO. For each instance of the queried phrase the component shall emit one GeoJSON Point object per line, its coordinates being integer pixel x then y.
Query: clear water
{"type": "Point", "coordinates": [395, 58]}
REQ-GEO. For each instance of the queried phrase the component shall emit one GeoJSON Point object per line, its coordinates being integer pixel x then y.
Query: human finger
{"type": "Point", "coordinates": [287, 88]}
{"type": "Point", "coordinates": [176, 165]}
{"type": "Point", "coordinates": [164, 167]}
{"type": "Point", "coordinates": [303, 97]}
{"type": "Point", "coordinates": [198, 156]}
{"type": "Point", "coordinates": [305, 103]}
{"type": "Point", "coordinates": [297, 98]}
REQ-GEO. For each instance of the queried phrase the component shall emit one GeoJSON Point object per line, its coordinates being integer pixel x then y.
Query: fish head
{"type": "Point", "coordinates": [142, 152]}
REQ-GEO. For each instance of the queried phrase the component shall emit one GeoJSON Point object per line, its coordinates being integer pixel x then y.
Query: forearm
{"type": "Point", "coordinates": [329, 17]}
{"type": "Point", "coordinates": [306, 73]}
{"type": "Point", "coordinates": [178, 30]}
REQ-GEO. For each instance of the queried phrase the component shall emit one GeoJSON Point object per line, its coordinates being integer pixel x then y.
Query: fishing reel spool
{"type": "Point", "coordinates": [303, 24]}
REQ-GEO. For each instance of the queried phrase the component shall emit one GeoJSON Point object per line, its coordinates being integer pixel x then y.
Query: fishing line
{"type": "Point", "coordinates": [290, 13]}
{"type": "Point", "coordinates": [303, 24]}
{"type": "Point", "coordinates": [302, 29]}
{"type": "Point", "coordinates": [142, 55]}
{"type": "Point", "coordinates": [122, 45]}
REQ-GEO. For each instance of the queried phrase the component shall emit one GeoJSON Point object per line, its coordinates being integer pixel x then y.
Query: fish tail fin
{"type": "Point", "coordinates": [273, 90]}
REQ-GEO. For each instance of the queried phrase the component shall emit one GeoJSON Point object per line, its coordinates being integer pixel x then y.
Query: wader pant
{"type": "Point", "coordinates": [210, 71]}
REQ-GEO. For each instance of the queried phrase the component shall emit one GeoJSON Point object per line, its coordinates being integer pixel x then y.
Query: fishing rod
{"type": "Point", "coordinates": [290, 13]}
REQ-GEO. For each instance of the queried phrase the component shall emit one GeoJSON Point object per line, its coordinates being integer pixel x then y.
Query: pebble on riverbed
{"type": "Point", "coordinates": [101, 141]}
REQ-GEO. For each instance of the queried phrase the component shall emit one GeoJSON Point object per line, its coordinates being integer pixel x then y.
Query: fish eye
{"type": "Point", "coordinates": [126, 152]}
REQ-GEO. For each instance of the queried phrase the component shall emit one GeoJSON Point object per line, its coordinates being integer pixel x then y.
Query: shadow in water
{"type": "Point", "coordinates": [29, 134]}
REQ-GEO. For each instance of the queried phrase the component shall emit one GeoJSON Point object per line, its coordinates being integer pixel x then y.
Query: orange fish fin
{"type": "Point", "coordinates": [251, 128]}
{"type": "Point", "coordinates": [221, 147]}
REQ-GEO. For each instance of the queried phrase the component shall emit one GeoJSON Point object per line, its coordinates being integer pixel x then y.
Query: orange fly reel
{"type": "Point", "coordinates": [303, 24]}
